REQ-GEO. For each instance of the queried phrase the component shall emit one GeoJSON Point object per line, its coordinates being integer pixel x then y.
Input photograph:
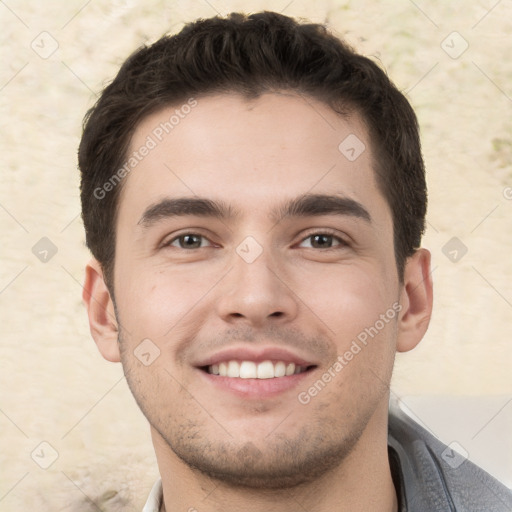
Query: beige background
{"type": "Point", "coordinates": [55, 388]}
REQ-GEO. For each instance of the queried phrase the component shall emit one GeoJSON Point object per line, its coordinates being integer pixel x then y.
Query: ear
{"type": "Point", "coordinates": [416, 300]}
{"type": "Point", "coordinates": [100, 309]}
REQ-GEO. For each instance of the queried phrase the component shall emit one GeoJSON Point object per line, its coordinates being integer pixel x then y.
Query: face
{"type": "Point", "coordinates": [256, 288]}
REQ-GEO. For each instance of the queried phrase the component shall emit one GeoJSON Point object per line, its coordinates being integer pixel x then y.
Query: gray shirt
{"type": "Point", "coordinates": [430, 477]}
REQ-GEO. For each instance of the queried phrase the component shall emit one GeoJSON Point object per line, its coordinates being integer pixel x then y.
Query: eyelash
{"type": "Point", "coordinates": [326, 232]}
{"type": "Point", "coordinates": [342, 243]}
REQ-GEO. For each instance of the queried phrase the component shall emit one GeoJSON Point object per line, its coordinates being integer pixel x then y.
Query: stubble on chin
{"type": "Point", "coordinates": [281, 462]}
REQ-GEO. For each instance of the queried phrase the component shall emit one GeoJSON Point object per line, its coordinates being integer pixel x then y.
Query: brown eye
{"type": "Point", "coordinates": [321, 241]}
{"type": "Point", "coordinates": [187, 241]}
{"type": "Point", "coordinates": [324, 241]}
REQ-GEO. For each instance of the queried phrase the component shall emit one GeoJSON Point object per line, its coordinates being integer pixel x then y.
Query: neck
{"type": "Point", "coordinates": [360, 482]}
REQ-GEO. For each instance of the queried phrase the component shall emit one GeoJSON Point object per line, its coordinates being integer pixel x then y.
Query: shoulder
{"type": "Point", "coordinates": [435, 477]}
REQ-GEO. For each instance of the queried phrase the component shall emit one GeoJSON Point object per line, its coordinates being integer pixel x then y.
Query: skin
{"type": "Point", "coordinates": [217, 450]}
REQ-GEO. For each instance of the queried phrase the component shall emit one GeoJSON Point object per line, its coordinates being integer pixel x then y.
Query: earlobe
{"type": "Point", "coordinates": [416, 300]}
{"type": "Point", "coordinates": [100, 309]}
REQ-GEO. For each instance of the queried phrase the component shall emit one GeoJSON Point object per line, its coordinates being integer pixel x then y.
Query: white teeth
{"type": "Point", "coordinates": [290, 369]}
{"type": "Point", "coordinates": [252, 370]}
{"type": "Point", "coordinates": [248, 370]}
{"type": "Point", "coordinates": [266, 370]}
{"type": "Point", "coordinates": [279, 369]}
{"type": "Point", "coordinates": [233, 369]}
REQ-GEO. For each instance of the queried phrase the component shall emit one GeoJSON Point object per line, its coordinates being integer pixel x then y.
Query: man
{"type": "Point", "coordinates": [254, 197]}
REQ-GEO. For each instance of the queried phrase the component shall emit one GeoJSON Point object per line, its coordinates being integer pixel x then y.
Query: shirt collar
{"type": "Point", "coordinates": [155, 498]}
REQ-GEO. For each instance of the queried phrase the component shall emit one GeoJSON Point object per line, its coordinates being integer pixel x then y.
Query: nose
{"type": "Point", "coordinates": [256, 293]}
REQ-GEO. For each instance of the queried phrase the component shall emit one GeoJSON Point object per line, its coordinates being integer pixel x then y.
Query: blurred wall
{"type": "Point", "coordinates": [453, 61]}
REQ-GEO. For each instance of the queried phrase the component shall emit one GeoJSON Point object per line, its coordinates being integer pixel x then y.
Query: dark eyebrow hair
{"type": "Point", "coordinates": [315, 205]}
{"type": "Point", "coordinates": [181, 206]}
{"type": "Point", "coordinates": [307, 205]}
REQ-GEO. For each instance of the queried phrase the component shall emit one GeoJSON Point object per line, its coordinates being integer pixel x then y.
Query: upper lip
{"type": "Point", "coordinates": [256, 354]}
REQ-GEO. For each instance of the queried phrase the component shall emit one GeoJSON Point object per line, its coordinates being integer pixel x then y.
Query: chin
{"type": "Point", "coordinates": [282, 463]}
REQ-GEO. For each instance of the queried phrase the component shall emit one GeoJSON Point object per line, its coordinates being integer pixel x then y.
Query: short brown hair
{"type": "Point", "coordinates": [252, 54]}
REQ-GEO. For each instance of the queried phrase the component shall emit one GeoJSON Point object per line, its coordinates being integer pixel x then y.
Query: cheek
{"type": "Point", "coordinates": [157, 303]}
{"type": "Point", "coordinates": [356, 307]}
{"type": "Point", "coordinates": [347, 300]}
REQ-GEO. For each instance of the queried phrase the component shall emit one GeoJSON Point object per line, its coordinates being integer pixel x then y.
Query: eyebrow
{"type": "Point", "coordinates": [307, 205]}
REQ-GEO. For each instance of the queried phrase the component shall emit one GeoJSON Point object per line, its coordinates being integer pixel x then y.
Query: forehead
{"type": "Point", "coordinates": [249, 153]}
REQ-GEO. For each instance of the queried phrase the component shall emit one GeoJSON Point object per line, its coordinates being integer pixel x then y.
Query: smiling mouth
{"type": "Point", "coordinates": [252, 370]}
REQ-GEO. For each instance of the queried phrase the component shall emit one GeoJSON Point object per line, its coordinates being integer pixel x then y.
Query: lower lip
{"type": "Point", "coordinates": [256, 388]}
